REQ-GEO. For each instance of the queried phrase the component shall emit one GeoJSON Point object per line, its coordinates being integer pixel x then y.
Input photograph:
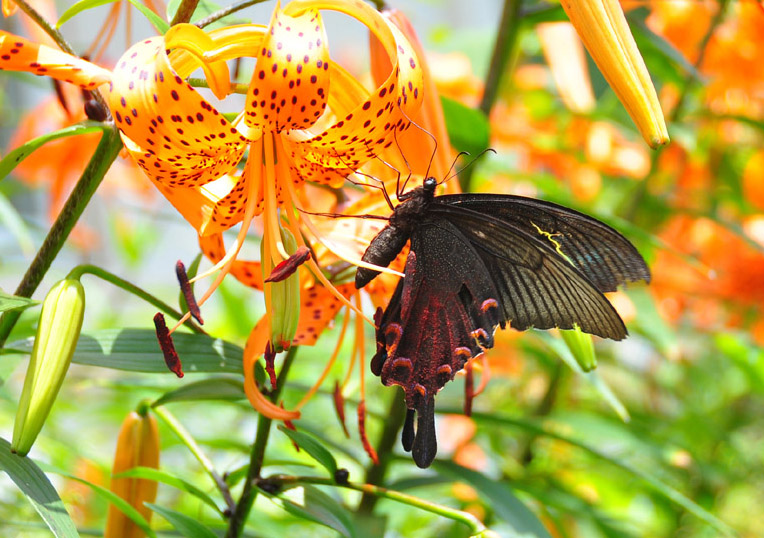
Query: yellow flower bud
{"type": "Point", "coordinates": [57, 335]}
{"type": "Point", "coordinates": [137, 446]}
{"type": "Point", "coordinates": [602, 27]}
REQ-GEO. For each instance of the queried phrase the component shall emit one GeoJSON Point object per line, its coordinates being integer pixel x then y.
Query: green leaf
{"type": "Point", "coordinates": [468, 128]}
{"type": "Point", "coordinates": [216, 388]}
{"type": "Point", "coordinates": [120, 503]}
{"type": "Point", "coordinates": [566, 355]}
{"type": "Point", "coordinates": [672, 494]}
{"type": "Point", "coordinates": [84, 5]}
{"type": "Point", "coordinates": [315, 449]}
{"type": "Point", "coordinates": [12, 159]}
{"type": "Point", "coordinates": [37, 488]}
{"type": "Point", "coordinates": [14, 223]}
{"type": "Point", "coordinates": [502, 499]}
{"type": "Point", "coordinates": [186, 525]}
{"type": "Point", "coordinates": [12, 302]}
{"type": "Point", "coordinates": [166, 478]}
{"type": "Point", "coordinates": [156, 21]}
{"type": "Point", "coordinates": [318, 507]}
{"type": "Point", "coordinates": [137, 350]}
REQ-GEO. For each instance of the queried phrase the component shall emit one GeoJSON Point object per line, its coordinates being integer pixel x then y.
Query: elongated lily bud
{"type": "Point", "coordinates": [57, 335]}
{"type": "Point", "coordinates": [137, 446]}
{"type": "Point", "coordinates": [282, 297]}
{"type": "Point", "coordinates": [581, 346]}
{"type": "Point", "coordinates": [602, 27]}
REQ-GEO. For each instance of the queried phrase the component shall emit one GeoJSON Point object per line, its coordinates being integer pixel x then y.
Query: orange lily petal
{"type": "Point", "coordinates": [319, 308]}
{"type": "Point", "coordinates": [19, 54]}
{"type": "Point", "coordinates": [173, 133]}
{"type": "Point", "coordinates": [252, 351]}
{"type": "Point", "coordinates": [290, 85]}
{"type": "Point", "coordinates": [9, 8]}
{"type": "Point", "coordinates": [245, 271]}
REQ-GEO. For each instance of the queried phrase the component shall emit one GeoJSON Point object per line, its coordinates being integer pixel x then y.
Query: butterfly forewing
{"type": "Point", "coordinates": [605, 256]}
{"type": "Point", "coordinates": [538, 288]}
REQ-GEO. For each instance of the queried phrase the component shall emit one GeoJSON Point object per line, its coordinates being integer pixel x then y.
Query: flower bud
{"type": "Point", "coordinates": [602, 27]}
{"type": "Point", "coordinates": [57, 335]}
{"type": "Point", "coordinates": [581, 346]}
{"type": "Point", "coordinates": [137, 446]}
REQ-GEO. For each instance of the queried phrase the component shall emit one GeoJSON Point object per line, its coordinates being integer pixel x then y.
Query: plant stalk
{"type": "Point", "coordinates": [375, 474]}
{"type": "Point", "coordinates": [249, 492]}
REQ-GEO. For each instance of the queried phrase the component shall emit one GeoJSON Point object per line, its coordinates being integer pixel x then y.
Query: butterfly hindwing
{"type": "Point", "coordinates": [605, 256]}
{"type": "Point", "coordinates": [442, 314]}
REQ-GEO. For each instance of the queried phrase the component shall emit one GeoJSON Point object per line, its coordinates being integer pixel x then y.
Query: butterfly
{"type": "Point", "coordinates": [477, 262]}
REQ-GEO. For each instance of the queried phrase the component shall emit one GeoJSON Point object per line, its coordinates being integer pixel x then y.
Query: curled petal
{"type": "Point", "coordinates": [368, 127]}
{"type": "Point", "coordinates": [290, 84]}
{"type": "Point", "coordinates": [173, 133]}
{"type": "Point", "coordinates": [252, 351]}
{"type": "Point", "coordinates": [196, 41]}
{"type": "Point", "coordinates": [19, 54]}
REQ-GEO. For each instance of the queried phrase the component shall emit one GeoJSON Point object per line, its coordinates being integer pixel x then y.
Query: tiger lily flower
{"type": "Point", "coordinates": [602, 27]}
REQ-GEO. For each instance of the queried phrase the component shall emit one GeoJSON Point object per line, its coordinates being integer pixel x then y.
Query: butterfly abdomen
{"type": "Point", "coordinates": [381, 251]}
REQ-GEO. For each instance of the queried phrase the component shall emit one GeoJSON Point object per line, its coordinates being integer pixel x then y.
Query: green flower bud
{"type": "Point", "coordinates": [282, 297]}
{"type": "Point", "coordinates": [581, 346]}
{"type": "Point", "coordinates": [57, 335]}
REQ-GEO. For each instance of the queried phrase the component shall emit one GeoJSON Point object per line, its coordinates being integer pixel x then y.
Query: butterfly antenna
{"type": "Point", "coordinates": [469, 163]}
{"type": "Point", "coordinates": [381, 185]}
{"type": "Point", "coordinates": [448, 174]}
{"type": "Point", "coordinates": [432, 136]}
{"type": "Point", "coordinates": [398, 187]}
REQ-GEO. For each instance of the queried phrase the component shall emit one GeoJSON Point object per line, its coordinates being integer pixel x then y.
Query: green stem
{"type": "Point", "coordinates": [236, 87]}
{"type": "Point", "coordinates": [506, 40]}
{"type": "Point", "coordinates": [185, 12]}
{"type": "Point", "coordinates": [249, 492]}
{"type": "Point", "coordinates": [233, 8]}
{"type": "Point", "coordinates": [107, 150]}
{"type": "Point", "coordinates": [103, 274]}
{"type": "Point", "coordinates": [503, 49]}
{"type": "Point", "coordinates": [375, 474]}
{"type": "Point", "coordinates": [186, 438]}
{"type": "Point", "coordinates": [47, 27]}
{"type": "Point", "coordinates": [474, 524]}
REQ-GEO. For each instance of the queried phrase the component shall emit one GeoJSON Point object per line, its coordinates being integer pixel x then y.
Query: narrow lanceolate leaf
{"type": "Point", "coordinates": [602, 27]}
{"type": "Point", "coordinates": [565, 353]}
{"type": "Point", "coordinates": [38, 489]}
{"type": "Point", "coordinates": [13, 158]}
{"type": "Point", "coordinates": [220, 388]}
{"type": "Point", "coordinates": [137, 350]}
{"type": "Point", "coordinates": [84, 5]}
{"type": "Point", "coordinates": [503, 500]}
{"type": "Point", "coordinates": [317, 506]}
{"type": "Point", "coordinates": [313, 447]}
{"type": "Point", "coordinates": [186, 525]}
{"type": "Point", "coordinates": [12, 302]}
{"type": "Point", "coordinates": [166, 478]}
{"type": "Point", "coordinates": [13, 222]}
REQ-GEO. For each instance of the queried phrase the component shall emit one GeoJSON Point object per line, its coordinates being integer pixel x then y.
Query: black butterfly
{"type": "Point", "coordinates": [476, 262]}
